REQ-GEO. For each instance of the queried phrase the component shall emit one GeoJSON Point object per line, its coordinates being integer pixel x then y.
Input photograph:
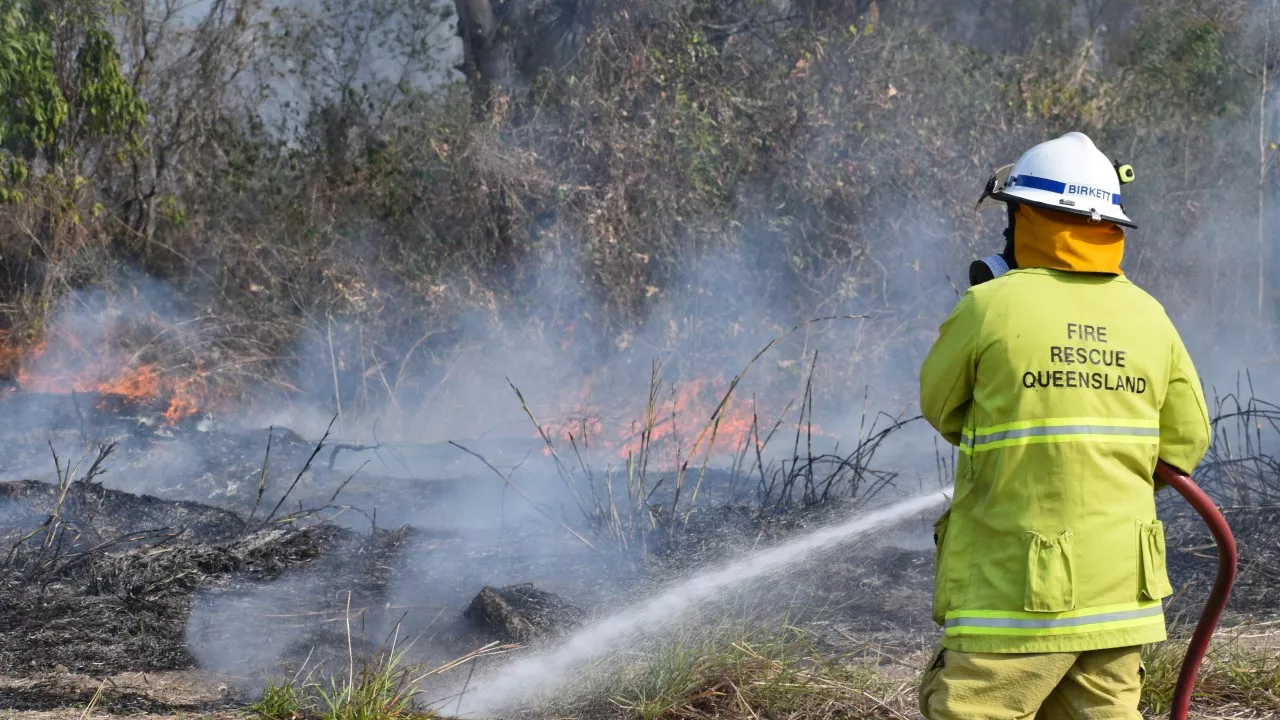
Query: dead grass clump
{"type": "Point", "coordinates": [1240, 675]}
{"type": "Point", "coordinates": [787, 676]}
{"type": "Point", "coordinates": [755, 676]}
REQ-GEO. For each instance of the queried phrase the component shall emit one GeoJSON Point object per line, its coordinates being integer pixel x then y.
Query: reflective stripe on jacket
{"type": "Point", "coordinates": [1061, 390]}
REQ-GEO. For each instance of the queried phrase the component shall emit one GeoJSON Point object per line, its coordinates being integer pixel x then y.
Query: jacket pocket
{"type": "Point", "coordinates": [1154, 578]}
{"type": "Point", "coordinates": [939, 576]}
{"type": "Point", "coordinates": [1051, 576]}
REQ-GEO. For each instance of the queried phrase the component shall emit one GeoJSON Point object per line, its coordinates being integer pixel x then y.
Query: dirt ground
{"type": "Point", "coordinates": [169, 695]}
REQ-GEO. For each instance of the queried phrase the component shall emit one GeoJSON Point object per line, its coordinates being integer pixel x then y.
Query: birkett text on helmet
{"type": "Point", "coordinates": [1090, 191]}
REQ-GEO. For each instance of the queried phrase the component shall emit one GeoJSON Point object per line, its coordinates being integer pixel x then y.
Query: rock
{"type": "Point", "coordinates": [522, 613]}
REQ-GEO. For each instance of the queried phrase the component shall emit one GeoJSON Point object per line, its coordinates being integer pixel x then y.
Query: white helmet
{"type": "Point", "coordinates": [1067, 174]}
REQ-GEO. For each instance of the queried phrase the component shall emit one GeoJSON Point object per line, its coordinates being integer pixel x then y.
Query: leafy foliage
{"type": "Point", "coordinates": [62, 76]}
{"type": "Point", "coordinates": [321, 176]}
{"type": "Point", "coordinates": [36, 107]}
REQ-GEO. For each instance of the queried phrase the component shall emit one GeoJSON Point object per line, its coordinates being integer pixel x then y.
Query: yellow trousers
{"type": "Point", "coordinates": [1090, 685]}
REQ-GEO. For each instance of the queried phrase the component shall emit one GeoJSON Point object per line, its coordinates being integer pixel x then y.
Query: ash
{"type": "Point", "coordinates": [130, 545]}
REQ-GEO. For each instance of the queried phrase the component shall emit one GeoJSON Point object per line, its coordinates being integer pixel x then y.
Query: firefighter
{"type": "Point", "coordinates": [1062, 383]}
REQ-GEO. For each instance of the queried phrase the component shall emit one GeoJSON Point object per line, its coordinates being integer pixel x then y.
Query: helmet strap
{"type": "Point", "coordinates": [1011, 208]}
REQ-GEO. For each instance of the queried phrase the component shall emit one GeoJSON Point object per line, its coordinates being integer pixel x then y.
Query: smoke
{"type": "Point", "coordinates": [130, 358]}
{"type": "Point", "coordinates": [222, 624]}
{"type": "Point", "coordinates": [1215, 304]}
{"type": "Point", "coordinates": [542, 675]}
{"type": "Point", "coordinates": [743, 277]}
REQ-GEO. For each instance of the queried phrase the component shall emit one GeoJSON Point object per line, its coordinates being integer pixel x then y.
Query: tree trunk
{"type": "Point", "coordinates": [478, 27]}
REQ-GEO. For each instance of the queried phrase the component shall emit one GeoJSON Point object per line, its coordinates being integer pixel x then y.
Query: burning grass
{"type": "Point", "coordinates": [127, 359]}
{"type": "Point", "coordinates": [642, 507]}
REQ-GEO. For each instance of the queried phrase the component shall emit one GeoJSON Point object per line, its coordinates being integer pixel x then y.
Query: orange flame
{"type": "Point", "coordinates": [685, 423]}
{"type": "Point", "coordinates": [37, 371]}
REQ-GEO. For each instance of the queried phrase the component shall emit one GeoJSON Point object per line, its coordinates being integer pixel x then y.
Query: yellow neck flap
{"type": "Point", "coordinates": [1063, 241]}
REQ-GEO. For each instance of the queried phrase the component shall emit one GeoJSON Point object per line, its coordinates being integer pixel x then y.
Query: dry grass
{"type": "Point", "coordinates": [786, 677]}
{"type": "Point", "coordinates": [1239, 678]}
{"type": "Point", "coordinates": [747, 674]}
{"type": "Point", "coordinates": [773, 679]}
{"type": "Point", "coordinates": [778, 674]}
{"type": "Point", "coordinates": [97, 715]}
{"type": "Point", "coordinates": [784, 674]}
{"type": "Point", "coordinates": [383, 688]}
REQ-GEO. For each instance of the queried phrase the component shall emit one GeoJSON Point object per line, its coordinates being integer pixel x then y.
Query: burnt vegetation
{"type": "Point", "coordinates": [349, 204]}
{"type": "Point", "coordinates": [335, 213]}
{"type": "Point", "coordinates": [98, 581]}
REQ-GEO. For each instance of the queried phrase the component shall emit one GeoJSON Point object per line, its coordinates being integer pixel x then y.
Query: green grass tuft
{"type": "Point", "coordinates": [279, 701]}
{"type": "Point", "coordinates": [383, 688]}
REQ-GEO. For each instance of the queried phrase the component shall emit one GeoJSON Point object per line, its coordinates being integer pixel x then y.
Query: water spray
{"type": "Point", "coordinates": [549, 671]}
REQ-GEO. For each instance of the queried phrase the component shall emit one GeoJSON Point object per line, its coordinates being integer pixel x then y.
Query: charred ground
{"type": "Point", "coordinates": [98, 581]}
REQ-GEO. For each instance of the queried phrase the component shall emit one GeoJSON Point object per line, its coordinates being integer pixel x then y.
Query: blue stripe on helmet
{"type": "Point", "coordinates": [1038, 183]}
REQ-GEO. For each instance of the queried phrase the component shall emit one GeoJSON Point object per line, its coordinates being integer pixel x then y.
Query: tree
{"type": "Point", "coordinates": [507, 44]}
{"type": "Point", "coordinates": [61, 77]}
{"type": "Point", "coordinates": [68, 111]}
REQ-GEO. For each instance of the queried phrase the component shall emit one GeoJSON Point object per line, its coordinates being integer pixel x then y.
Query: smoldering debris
{"type": "Point", "coordinates": [1192, 563]}
{"type": "Point", "coordinates": [129, 694]}
{"type": "Point", "coordinates": [522, 613]}
{"type": "Point", "coordinates": [104, 582]}
{"type": "Point", "coordinates": [99, 516]}
{"type": "Point", "coordinates": [1241, 472]}
{"type": "Point", "coordinates": [101, 580]}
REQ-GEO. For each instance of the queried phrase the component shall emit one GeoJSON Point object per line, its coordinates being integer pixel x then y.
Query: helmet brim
{"type": "Point", "coordinates": [995, 184]}
{"type": "Point", "coordinates": [1052, 201]}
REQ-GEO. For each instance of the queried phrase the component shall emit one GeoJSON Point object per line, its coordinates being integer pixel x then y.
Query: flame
{"type": "Point", "coordinates": [141, 383]}
{"type": "Point", "coordinates": [695, 418]}
{"type": "Point", "coordinates": [689, 421]}
{"type": "Point", "coordinates": [117, 380]}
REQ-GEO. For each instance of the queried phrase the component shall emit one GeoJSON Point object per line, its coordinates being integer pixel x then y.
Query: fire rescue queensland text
{"type": "Point", "coordinates": [1089, 364]}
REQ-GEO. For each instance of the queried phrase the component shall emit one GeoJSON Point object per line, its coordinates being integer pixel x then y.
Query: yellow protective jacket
{"type": "Point", "coordinates": [1061, 389]}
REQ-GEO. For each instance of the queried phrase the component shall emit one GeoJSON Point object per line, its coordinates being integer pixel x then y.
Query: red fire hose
{"type": "Point", "coordinates": [1217, 602]}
